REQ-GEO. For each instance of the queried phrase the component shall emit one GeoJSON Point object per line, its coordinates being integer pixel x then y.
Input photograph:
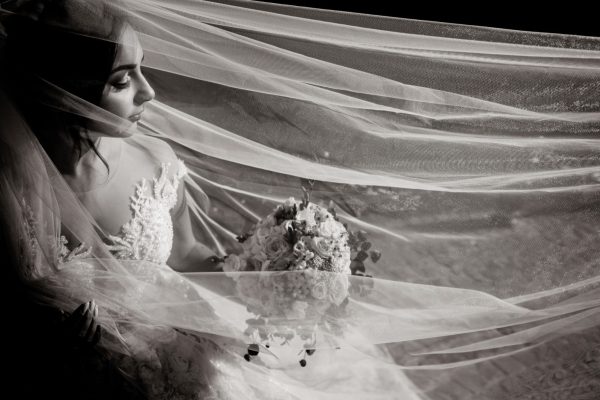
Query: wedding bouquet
{"type": "Point", "coordinates": [304, 254]}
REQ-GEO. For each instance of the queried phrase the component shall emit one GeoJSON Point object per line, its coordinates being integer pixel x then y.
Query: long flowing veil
{"type": "Point", "coordinates": [469, 157]}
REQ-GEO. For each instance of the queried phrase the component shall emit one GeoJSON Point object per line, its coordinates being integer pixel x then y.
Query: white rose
{"type": "Point", "coordinates": [308, 215]}
{"type": "Point", "coordinates": [297, 311]}
{"type": "Point", "coordinates": [276, 246]}
{"type": "Point", "coordinates": [261, 234]}
{"type": "Point", "coordinates": [250, 243]}
{"type": "Point", "coordinates": [321, 246]}
{"type": "Point", "coordinates": [338, 289]}
{"type": "Point", "coordinates": [259, 254]}
{"type": "Point", "coordinates": [319, 290]}
{"type": "Point", "coordinates": [331, 228]}
{"type": "Point", "coordinates": [255, 249]}
{"type": "Point", "coordinates": [322, 214]}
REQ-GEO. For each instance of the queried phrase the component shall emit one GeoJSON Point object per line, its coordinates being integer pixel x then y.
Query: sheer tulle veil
{"type": "Point", "coordinates": [468, 156]}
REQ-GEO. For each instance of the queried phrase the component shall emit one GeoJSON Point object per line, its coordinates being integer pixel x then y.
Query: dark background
{"type": "Point", "coordinates": [568, 17]}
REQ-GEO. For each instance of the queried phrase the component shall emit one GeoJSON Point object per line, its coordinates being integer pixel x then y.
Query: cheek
{"type": "Point", "coordinates": [119, 103]}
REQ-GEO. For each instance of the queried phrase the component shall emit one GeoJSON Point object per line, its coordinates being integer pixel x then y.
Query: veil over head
{"type": "Point", "coordinates": [468, 156]}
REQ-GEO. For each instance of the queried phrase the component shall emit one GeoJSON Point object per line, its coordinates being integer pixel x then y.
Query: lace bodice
{"type": "Point", "coordinates": [148, 235]}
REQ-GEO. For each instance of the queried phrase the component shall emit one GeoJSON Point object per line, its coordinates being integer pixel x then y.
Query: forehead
{"type": "Point", "coordinates": [129, 50]}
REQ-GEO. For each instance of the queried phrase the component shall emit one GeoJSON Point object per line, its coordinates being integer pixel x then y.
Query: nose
{"type": "Point", "coordinates": [145, 92]}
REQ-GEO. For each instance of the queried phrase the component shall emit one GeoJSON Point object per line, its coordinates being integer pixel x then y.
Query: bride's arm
{"type": "Point", "coordinates": [187, 253]}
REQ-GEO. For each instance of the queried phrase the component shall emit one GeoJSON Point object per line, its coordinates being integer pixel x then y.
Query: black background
{"type": "Point", "coordinates": [568, 17]}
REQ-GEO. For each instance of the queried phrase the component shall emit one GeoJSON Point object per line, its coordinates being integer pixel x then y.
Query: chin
{"type": "Point", "coordinates": [131, 130]}
{"type": "Point", "coordinates": [125, 131]}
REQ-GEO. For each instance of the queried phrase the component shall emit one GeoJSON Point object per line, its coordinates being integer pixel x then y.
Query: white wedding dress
{"type": "Point", "coordinates": [183, 364]}
{"type": "Point", "coordinates": [468, 155]}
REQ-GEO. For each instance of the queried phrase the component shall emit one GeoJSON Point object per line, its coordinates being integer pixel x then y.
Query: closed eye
{"type": "Point", "coordinates": [123, 83]}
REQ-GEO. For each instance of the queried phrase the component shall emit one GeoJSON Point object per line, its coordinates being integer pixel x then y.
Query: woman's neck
{"type": "Point", "coordinates": [85, 169]}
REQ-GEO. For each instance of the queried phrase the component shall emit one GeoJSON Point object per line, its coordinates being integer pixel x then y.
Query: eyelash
{"type": "Point", "coordinates": [122, 85]}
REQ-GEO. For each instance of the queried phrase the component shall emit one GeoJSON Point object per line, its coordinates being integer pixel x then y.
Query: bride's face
{"type": "Point", "coordinates": [127, 90]}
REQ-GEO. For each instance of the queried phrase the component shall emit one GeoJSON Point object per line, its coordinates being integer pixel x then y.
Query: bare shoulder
{"type": "Point", "coordinates": [155, 148]}
{"type": "Point", "coordinates": [154, 152]}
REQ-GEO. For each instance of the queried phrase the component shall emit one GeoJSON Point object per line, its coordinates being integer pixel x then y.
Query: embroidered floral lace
{"type": "Point", "coordinates": [148, 235]}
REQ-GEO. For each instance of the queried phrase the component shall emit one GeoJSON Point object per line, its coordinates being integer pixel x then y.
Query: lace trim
{"type": "Point", "coordinates": [30, 248]}
{"type": "Point", "coordinates": [148, 235]}
{"type": "Point", "coordinates": [65, 254]}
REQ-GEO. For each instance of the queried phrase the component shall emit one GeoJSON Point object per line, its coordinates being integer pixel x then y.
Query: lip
{"type": "Point", "coordinates": [136, 117]}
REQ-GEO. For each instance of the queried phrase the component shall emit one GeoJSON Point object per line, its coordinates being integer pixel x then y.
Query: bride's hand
{"type": "Point", "coordinates": [80, 329]}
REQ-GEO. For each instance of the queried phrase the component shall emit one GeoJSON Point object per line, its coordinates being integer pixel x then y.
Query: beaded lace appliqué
{"type": "Point", "coordinates": [66, 255]}
{"type": "Point", "coordinates": [149, 233]}
{"type": "Point", "coordinates": [29, 247]}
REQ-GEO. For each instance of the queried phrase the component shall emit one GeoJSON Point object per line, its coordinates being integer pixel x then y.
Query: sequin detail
{"type": "Point", "coordinates": [149, 233]}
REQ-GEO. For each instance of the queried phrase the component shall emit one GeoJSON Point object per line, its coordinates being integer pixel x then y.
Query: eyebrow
{"type": "Point", "coordinates": [126, 66]}
{"type": "Point", "coordinates": [122, 67]}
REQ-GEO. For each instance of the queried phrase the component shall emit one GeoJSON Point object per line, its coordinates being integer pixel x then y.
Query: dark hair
{"type": "Point", "coordinates": [73, 49]}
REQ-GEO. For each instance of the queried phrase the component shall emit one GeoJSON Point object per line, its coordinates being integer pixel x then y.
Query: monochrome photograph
{"type": "Point", "coordinates": [235, 199]}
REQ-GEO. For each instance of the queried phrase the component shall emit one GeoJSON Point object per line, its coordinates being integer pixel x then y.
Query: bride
{"type": "Point", "coordinates": [130, 184]}
{"type": "Point", "coordinates": [111, 194]}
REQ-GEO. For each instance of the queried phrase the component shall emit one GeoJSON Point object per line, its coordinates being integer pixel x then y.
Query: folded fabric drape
{"type": "Point", "coordinates": [469, 157]}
